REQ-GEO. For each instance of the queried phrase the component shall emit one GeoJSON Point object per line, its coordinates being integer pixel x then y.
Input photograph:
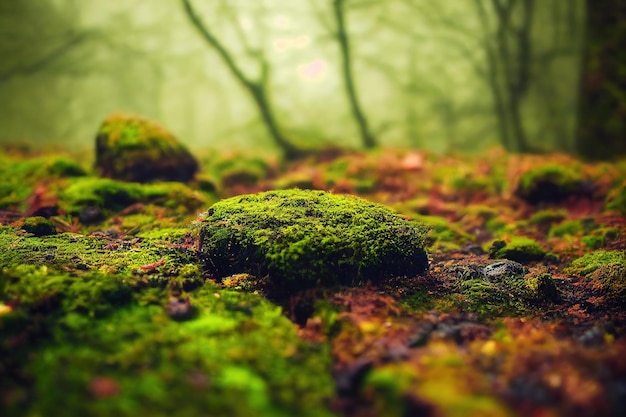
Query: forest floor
{"type": "Point", "coordinates": [104, 307]}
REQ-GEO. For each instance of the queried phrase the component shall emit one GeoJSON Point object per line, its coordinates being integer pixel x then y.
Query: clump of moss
{"type": "Point", "coordinates": [606, 271]}
{"type": "Point", "coordinates": [109, 195]}
{"type": "Point", "coordinates": [444, 235]}
{"type": "Point", "coordinates": [601, 237]}
{"type": "Point", "coordinates": [300, 238]}
{"type": "Point", "coordinates": [518, 248]}
{"type": "Point", "coordinates": [504, 288]}
{"type": "Point", "coordinates": [589, 262]}
{"type": "Point", "coordinates": [543, 220]}
{"type": "Point", "coordinates": [19, 178]}
{"type": "Point", "coordinates": [616, 199]}
{"type": "Point", "coordinates": [542, 287]}
{"type": "Point", "coordinates": [38, 226]}
{"type": "Point", "coordinates": [550, 183]}
{"type": "Point", "coordinates": [573, 227]}
{"type": "Point", "coordinates": [132, 148]}
{"type": "Point", "coordinates": [103, 193]}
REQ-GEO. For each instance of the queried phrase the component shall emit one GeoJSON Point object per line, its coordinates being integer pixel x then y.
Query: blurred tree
{"type": "Point", "coordinates": [343, 39]}
{"type": "Point", "coordinates": [257, 88]}
{"type": "Point", "coordinates": [602, 114]}
{"type": "Point", "coordinates": [41, 45]}
{"type": "Point", "coordinates": [508, 54]}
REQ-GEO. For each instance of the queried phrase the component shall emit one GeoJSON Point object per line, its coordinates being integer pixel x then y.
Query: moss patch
{"type": "Point", "coordinates": [302, 238]}
{"type": "Point", "coordinates": [96, 344]}
{"type": "Point", "coordinates": [133, 148]}
{"type": "Point", "coordinates": [518, 248]}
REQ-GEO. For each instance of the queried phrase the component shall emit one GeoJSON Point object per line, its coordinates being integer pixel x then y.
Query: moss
{"type": "Point", "coordinates": [518, 248]}
{"type": "Point", "coordinates": [543, 220]}
{"type": "Point", "coordinates": [601, 237]}
{"type": "Point", "coordinates": [590, 262]}
{"type": "Point", "coordinates": [549, 183]}
{"type": "Point", "coordinates": [18, 178]}
{"type": "Point", "coordinates": [542, 287]}
{"type": "Point", "coordinates": [302, 238]}
{"type": "Point", "coordinates": [504, 289]}
{"type": "Point", "coordinates": [616, 199]}
{"type": "Point", "coordinates": [104, 193]}
{"type": "Point", "coordinates": [573, 228]}
{"type": "Point", "coordinates": [132, 148]}
{"type": "Point", "coordinates": [442, 385]}
{"type": "Point", "coordinates": [98, 352]}
{"type": "Point", "coordinates": [65, 168]}
{"type": "Point", "coordinates": [444, 235]}
{"type": "Point", "coordinates": [75, 252]}
{"type": "Point", "coordinates": [111, 195]}
{"type": "Point", "coordinates": [38, 226]}
{"type": "Point", "coordinates": [610, 280]}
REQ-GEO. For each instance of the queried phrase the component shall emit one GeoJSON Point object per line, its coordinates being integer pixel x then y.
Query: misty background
{"type": "Point", "coordinates": [442, 76]}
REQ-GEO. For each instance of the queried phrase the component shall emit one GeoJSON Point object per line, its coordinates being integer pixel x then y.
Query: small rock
{"type": "Point", "coordinates": [497, 271]}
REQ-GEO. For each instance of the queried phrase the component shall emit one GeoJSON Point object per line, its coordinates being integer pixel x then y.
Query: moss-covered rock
{"type": "Point", "coordinates": [301, 238]}
{"type": "Point", "coordinates": [38, 226]}
{"type": "Point", "coordinates": [550, 183]}
{"type": "Point", "coordinates": [132, 148]}
{"type": "Point", "coordinates": [518, 248]}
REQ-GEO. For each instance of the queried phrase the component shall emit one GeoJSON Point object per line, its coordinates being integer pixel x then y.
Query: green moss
{"type": "Point", "coordinates": [85, 343]}
{"type": "Point", "coordinates": [549, 183]}
{"type": "Point", "coordinates": [38, 226]}
{"type": "Point", "coordinates": [519, 249]}
{"type": "Point", "coordinates": [589, 262]}
{"type": "Point", "coordinates": [610, 279]}
{"type": "Point", "coordinates": [504, 289]}
{"type": "Point", "coordinates": [75, 252]}
{"type": "Point", "coordinates": [443, 234]}
{"type": "Point", "coordinates": [542, 287]}
{"type": "Point", "coordinates": [546, 218]}
{"type": "Point", "coordinates": [435, 389]}
{"type": "Point", "coordinates": [99, 192]}
{"type": "Point", "coordinates": [573, 228]}
{"type": "Point", "coordinates": [132, 148]}
{"type": "Point", "coordinates": [302, 238]}
{"type": "Point", "coordinates": [112, 195]}
{"type": "Point", "coordinates": [18, 178]}
{"type": "Point", "coordinates": [616, 199]}
{"type": "Point", "coordinates": [601, 237]}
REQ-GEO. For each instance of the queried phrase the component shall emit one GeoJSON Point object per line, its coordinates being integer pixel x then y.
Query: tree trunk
{"type": "Point", "coordinates": [602, 100]}
{"type": "Point", "coordinates": [257, 89]}
{"type": "Point", "coordinates": [344, 44]}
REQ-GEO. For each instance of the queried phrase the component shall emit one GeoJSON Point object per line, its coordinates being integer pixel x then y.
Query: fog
{"type": "Point", "coordinates": [442, 76]}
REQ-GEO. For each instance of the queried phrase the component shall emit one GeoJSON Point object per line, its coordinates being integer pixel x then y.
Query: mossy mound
{"type": "Point", "coordinates": [518, 249]}
{"type": "Point", "coordinates": [550, 183]}
{"type": "Point", "coordinates": [38, 226]}
{"type": "Point", "coordinates": [303, 238]}
{"type": "Point", "coordinates": [107, 195]}
{"type": "Point", "coordinates": [132, 148]}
